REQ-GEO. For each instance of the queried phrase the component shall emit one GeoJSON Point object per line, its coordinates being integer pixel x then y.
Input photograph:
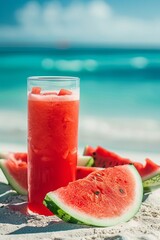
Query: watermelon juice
{"type": "Point", "coordinates": [52, 143]}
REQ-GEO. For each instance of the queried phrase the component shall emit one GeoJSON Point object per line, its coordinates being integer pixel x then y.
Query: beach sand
{"type": "Point", "coordinates": [17, 225]}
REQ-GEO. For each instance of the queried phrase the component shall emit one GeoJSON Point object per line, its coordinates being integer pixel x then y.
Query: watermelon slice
{"type": "Point", "coordinates": [104, 158]}
{"type": "Point", "coordinates": [16, 174]}
{"type": "Point", "coordinates": [149, 170]}
{"type": "Point", "coordinates": [14, 167]}
{"type": "Point", "coordinates": [104, 198]}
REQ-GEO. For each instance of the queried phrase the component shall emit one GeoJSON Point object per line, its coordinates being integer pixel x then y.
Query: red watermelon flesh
{"type": "Point", "coordinates": [14, 167]}
{"type": "Point", "coordinates": [19, 166]}
{"type": "Point", "coordinates": [64, 92]}
{"type": "Point", "coordinates": [36, 90]}
{"type": "Point", "coordinates": [82, 171]}
{"type": "Point", "coordinates": [89, 150]}
{"type": "Point", "coordinates": [16, 173]}
{"type": "Point", "coordinates": [112, 159]}
{"type": "Point", "coordinates": [104, 158]}
{"type": "Point", "coordinates": [20, 156]}
{"type": "Point", "coordinates": [104, 198]}
{"type": "Point", "coordinates": [149, 170]}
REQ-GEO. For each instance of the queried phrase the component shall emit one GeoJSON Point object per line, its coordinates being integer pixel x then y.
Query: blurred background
{"type": "Point", "coordinates": [113, 46]}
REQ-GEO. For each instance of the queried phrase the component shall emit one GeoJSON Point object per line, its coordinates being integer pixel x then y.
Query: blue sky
{"type": "Point", "coordinates": [80, 21]}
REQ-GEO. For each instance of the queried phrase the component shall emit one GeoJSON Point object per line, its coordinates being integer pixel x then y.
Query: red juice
{"type": "Point", "coordinates": [52, 144]}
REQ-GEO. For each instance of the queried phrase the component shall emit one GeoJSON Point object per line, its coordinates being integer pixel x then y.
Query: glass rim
{"type": "Point", "coordinates": [54, 78]}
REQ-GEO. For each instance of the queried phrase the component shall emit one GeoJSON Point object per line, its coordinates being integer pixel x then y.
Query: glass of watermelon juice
{"type": "Point", "coordinates": [53, 107]}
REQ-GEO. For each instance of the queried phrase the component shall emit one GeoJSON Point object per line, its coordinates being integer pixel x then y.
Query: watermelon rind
{"type": "Point", "coordinates": [151, 175]}
{"type": "Point", "coordinates": [48, 202]}
{"type": "Point", "coordinates": [69, 214]}
{"type": "Point", "coordinates": [151, 184]}
{"type": "Point", "coordinates": [87, 161]}
{"type": "Point", "coordinates": [14, 184]}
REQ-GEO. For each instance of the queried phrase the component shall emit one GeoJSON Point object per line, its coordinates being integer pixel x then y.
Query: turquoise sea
{"type": "Point", "coordinates": [120, 93]}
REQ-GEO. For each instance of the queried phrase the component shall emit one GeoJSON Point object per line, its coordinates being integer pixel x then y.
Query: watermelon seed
{"type": "Point", "coordinates": [121, 190]}
{"type": "Point", "coordinates": [94, 153]}
{"type": "Point", "coordinates": [97, 192]}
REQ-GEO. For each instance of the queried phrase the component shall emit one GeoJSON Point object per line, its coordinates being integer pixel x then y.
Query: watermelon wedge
{"type": "Point", "coordinates": [149, 170]}
{"type": "Point", "coordinates": [16, 174]}
{"type": "Point", "coordinates": [105, 158]}
{"type": "Point", "coordinates": [104, 198]}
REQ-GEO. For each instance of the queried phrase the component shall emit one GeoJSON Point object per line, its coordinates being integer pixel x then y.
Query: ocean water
{"type": "Point", "coordinates": [120, 93]}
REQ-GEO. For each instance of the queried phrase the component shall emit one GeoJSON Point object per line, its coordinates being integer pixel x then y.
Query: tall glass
{"type": "Point", "coordinates": [53, 107]}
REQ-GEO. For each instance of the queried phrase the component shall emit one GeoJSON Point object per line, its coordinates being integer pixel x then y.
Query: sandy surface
{"type": "Point", "coordinates": [16, 225]}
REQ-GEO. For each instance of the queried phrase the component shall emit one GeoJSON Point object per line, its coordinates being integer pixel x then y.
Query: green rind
{"type": "Point", "coordinates": [14, 184]}
{"type": "Point", "coordinates": [53, 207]}
{"type": "Point", "coordinates": [151, 175]}
{"type": "Point", "coordinates": [70, 214]}
{"type": "Point", "coordinates": [151, 184]}
{"type": "Point", "coordinates": [90, 162]}
{"type": "Point", "coordinates": [86, 161]}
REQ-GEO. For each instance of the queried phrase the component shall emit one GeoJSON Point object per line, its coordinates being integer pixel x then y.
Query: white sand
{"type": "Point", "coordinates": [14, 225]}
